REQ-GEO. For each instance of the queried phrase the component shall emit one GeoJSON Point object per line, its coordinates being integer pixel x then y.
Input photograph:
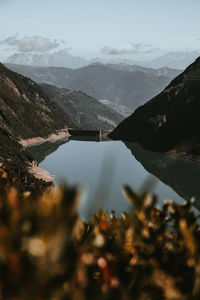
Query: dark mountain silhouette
{"type": "Point", "coordinates": [171, 119]}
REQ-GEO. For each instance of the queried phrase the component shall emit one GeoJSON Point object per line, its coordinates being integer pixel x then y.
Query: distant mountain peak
{"type": "Point", "coordinates": [60, 58]}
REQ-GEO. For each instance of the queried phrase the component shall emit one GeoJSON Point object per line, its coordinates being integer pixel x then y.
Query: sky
{"type": "Point", "coordinates": [99, 27]}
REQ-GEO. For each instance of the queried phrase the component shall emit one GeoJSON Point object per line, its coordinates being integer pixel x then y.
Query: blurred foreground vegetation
{"type": "Point", "coordinates": [48, 252]}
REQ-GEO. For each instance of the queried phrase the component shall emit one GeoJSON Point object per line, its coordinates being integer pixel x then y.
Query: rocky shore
{"type": "Point", "coordinates": [59, 135]}
{"type": "Point", "coordinates": [40, 173]}
{"type": "Point", "coordinates": [33, 169]}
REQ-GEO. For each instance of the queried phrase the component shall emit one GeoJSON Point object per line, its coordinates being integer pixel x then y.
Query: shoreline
{"type": "Point", "coordinates": [33, 168]}
{"type": "Point", "coordinates": [40, 173]}
{"type": "Point", "coordinates": [60, 135]}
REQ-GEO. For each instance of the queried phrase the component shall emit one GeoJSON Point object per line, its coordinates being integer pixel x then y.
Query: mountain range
{"type": "Point", "coordinates": [63, 58]}
{"type": "Point", "coordinates": [124, 86]}
{"type": "Point", "coordinates": [177, 60]}
{"type": "Point", "coordinates": [169, 121]}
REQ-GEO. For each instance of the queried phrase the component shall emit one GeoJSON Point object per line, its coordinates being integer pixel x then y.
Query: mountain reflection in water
{"type": "Point", "coordinates": [182, 175]}
{"type": "Point", "coordinates": [41, 151]}
{"type": "Point", "coordinates": [102, 168]}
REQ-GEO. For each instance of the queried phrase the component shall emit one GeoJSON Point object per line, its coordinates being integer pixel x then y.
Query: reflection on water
{"type": "Point", "coordinates": [39, 152]}
{"type": "Point", "coordinates": [102, 168]}
{"type": "Point", "coordinates": [89, 138]}
{"type": "Point", "coordinates": [182, 175]}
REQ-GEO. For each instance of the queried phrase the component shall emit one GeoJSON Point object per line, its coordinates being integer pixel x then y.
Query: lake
{"type": "Point", "coordinates": [100, 169]}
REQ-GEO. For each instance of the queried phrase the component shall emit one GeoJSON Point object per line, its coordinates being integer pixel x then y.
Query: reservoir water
{"type": "Point", "coordinates": [100, 169]}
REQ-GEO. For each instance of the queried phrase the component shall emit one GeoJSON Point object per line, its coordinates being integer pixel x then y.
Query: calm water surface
{"type": "Point", "coordinates": [101, 168]}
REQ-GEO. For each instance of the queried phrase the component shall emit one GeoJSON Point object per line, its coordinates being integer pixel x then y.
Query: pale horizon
{"type": "Point", "coordinates": [130, 29]}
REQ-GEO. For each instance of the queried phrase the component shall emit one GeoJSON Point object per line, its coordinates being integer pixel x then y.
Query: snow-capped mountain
{"type": "Point", "coordinates": [61, 58]}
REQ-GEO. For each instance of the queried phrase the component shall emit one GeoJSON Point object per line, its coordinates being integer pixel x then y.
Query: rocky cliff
{"type": "Point", "coordinates": [171, 119]}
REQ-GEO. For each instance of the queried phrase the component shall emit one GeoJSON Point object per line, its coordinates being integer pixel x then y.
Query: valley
{"type": "Point", "coordinates": [99, 150]}
{"type": "Point", "coordinates": [120, 85]}
{"type": "Point", "coordinates": [28, 116]}
{"type": "Point", "coordinates": [54, 110]}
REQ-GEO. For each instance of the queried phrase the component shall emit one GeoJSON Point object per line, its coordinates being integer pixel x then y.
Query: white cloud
{"type": "Point", "coordinates": [31, 43]}
{"type": "Point", "coordinates": [129, 48]}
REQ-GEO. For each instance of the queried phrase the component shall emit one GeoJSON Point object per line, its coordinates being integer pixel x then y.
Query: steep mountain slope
{"type": "Point", "coordinates": [129, 86]}
{"type": "Point", "coordinates": [85, 111]}
{"type": "Point", "coordinates": [122, 110]}
{"type": "Point", "coordinates": [14, 163]}
{"type": "Point", "coordinates": [25, 110]}
{"type": "Point", "coordinates": [171, 119]}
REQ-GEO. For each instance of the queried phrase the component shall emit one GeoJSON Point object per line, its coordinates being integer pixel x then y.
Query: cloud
{"type": "Point", "coordinates": [31, 43]}
{"type": "Point", "coordinates": [129, 48]}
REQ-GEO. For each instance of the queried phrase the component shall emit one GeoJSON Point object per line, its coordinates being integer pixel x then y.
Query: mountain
{"type": "Point", "coordinates": [61, 58]}
{"type": "Point", "coordinates": [25, 112]}
{"type": "Point", "coordinates": [162, 71]}
{"type": "Point", "coordinates": [176, 60]}
{"type": "Point", "coordinates": [129, 86]}
{"type": "Point", "coordinates": [85, 111]}
{"type": "Point", "coordinates": [171, 119]}
{"type": "Point", "coordinates": [122, 110]}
